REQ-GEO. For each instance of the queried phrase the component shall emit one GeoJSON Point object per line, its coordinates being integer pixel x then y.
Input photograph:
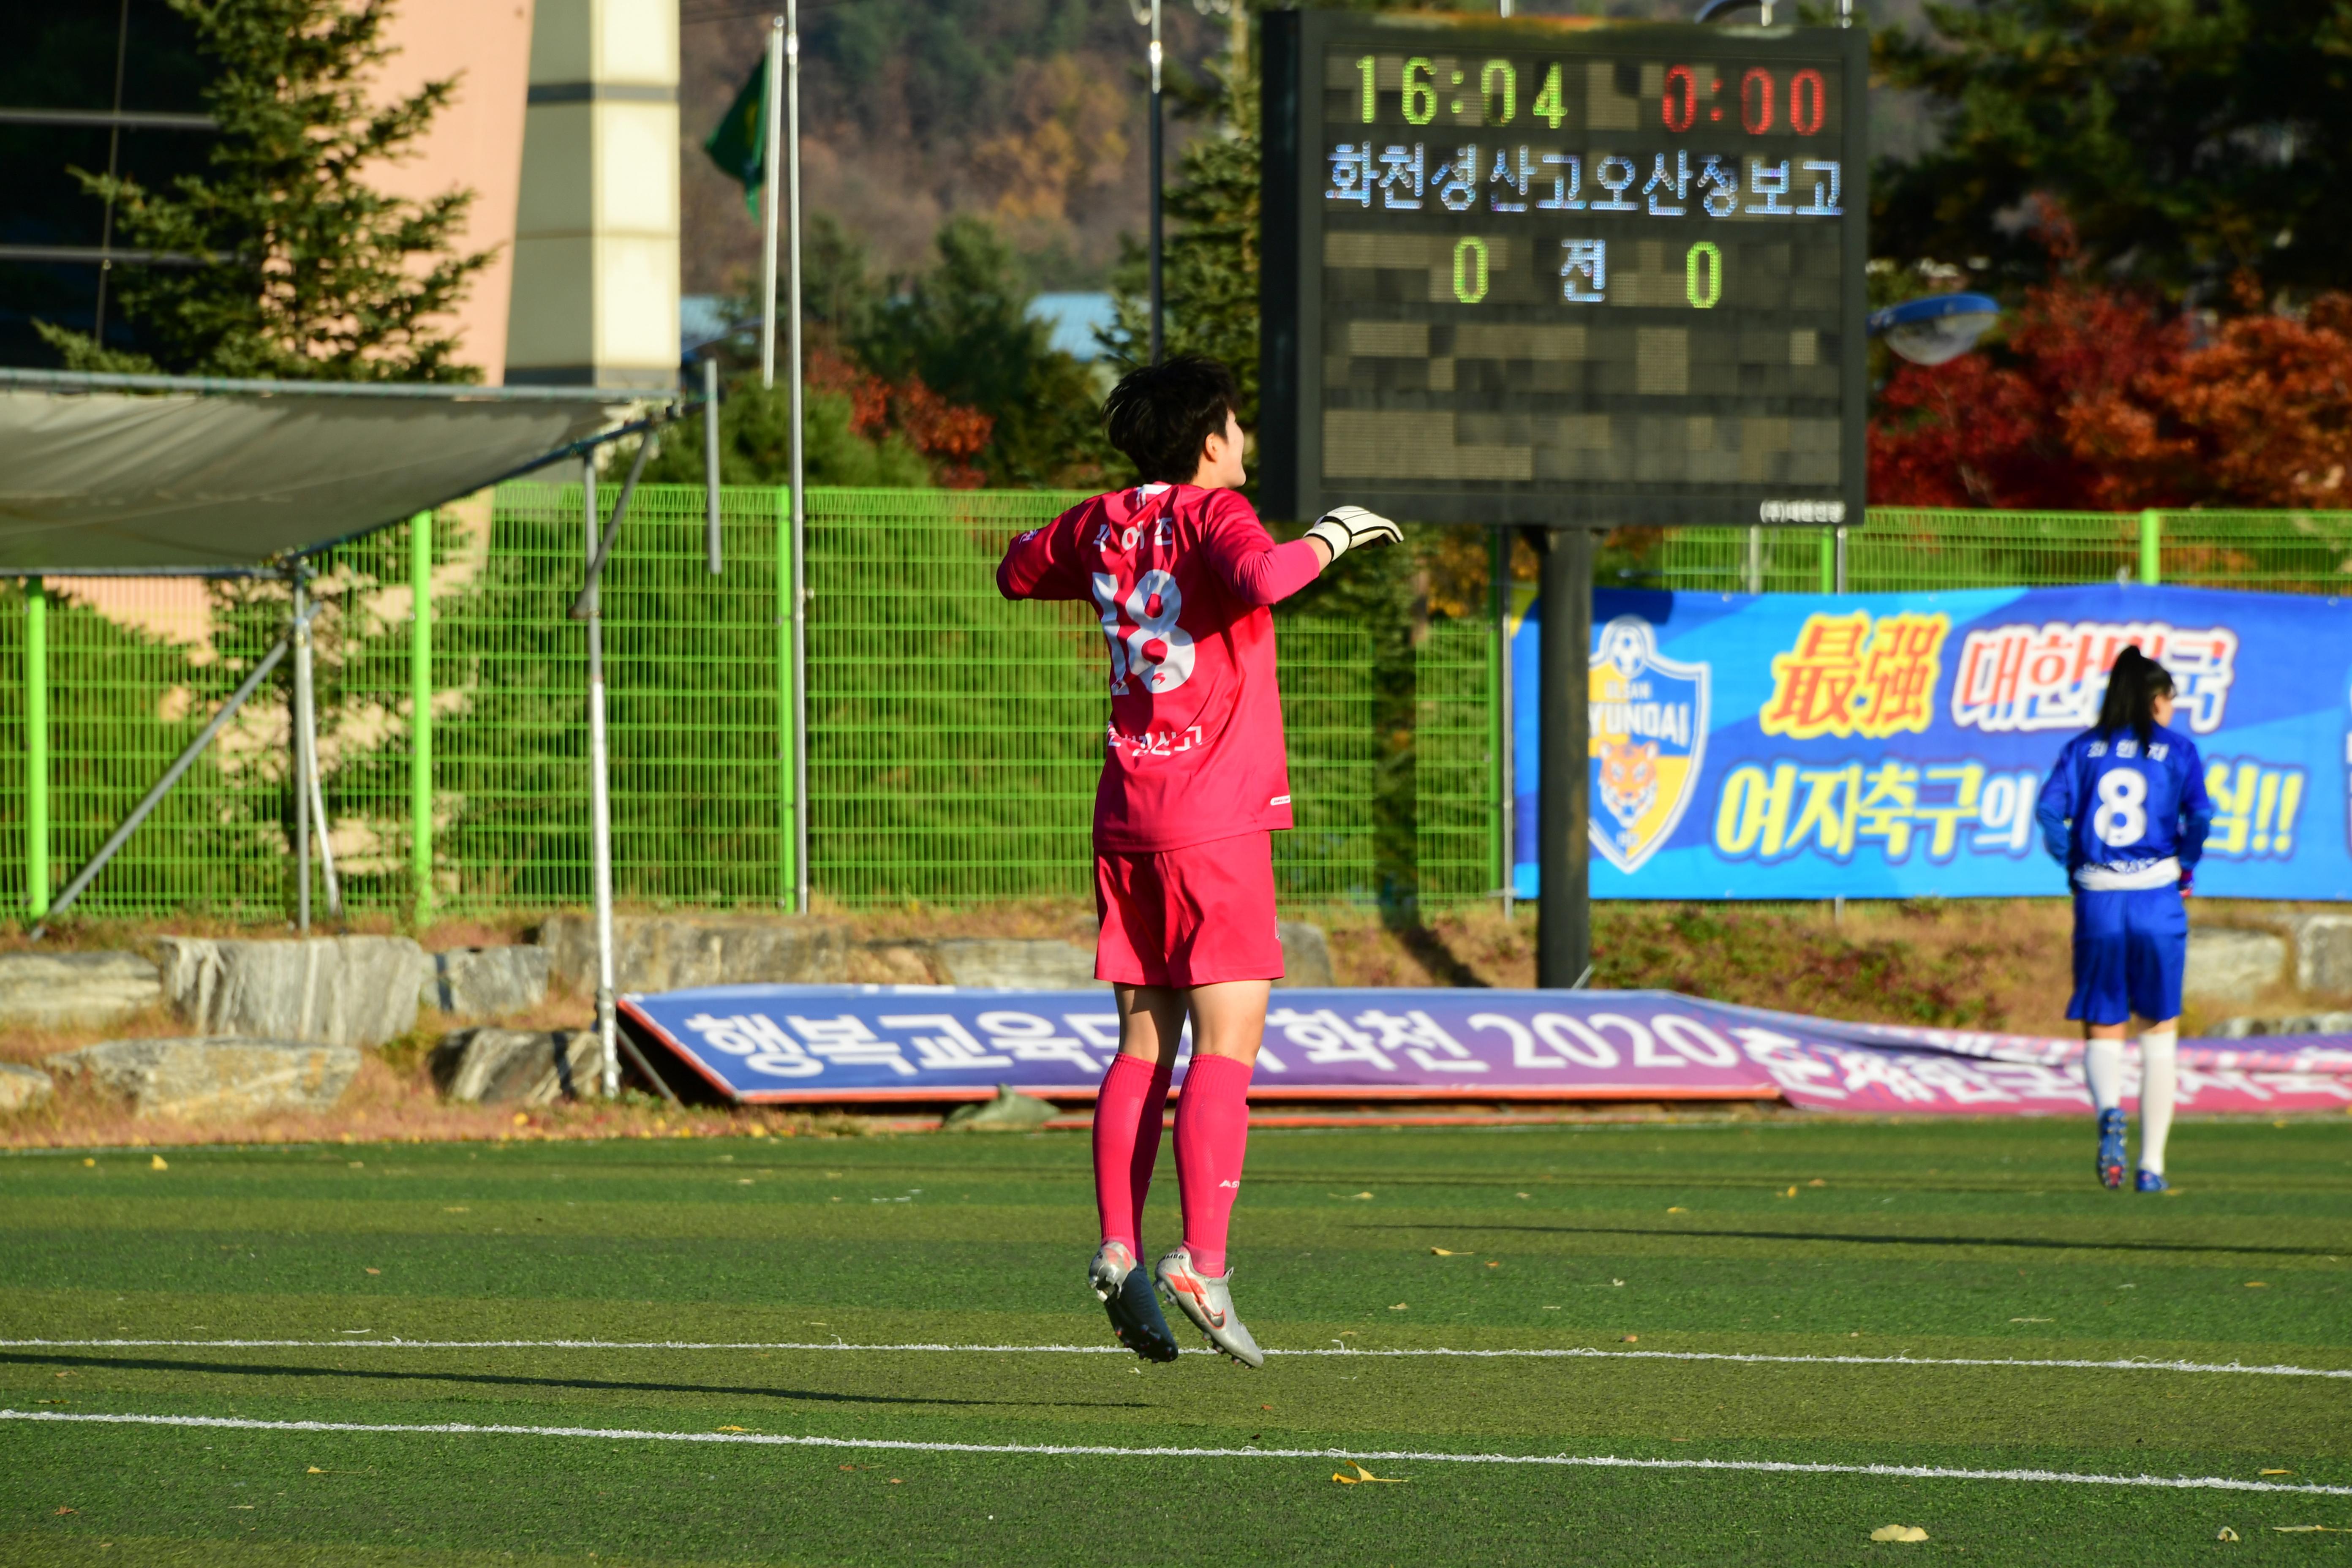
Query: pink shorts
{"type": "Point", "coordinates": [1193, 916]}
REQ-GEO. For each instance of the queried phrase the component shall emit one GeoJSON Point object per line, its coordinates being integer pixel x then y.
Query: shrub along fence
{"type": "Point", "coordinates": [954, 739]}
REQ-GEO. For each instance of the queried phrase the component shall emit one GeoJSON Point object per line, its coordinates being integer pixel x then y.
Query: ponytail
{"type": "Point", "coordinates": [2132, 687]}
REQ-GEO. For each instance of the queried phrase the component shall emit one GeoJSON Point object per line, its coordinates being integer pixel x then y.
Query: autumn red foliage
{"type": "Point", "coordinates": [949, 434]}
{"type": "Point", "coordinates": [2099, 400]}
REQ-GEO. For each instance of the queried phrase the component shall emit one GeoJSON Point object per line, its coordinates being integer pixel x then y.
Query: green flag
{"type": "Point", "coordinates": [735, 143]}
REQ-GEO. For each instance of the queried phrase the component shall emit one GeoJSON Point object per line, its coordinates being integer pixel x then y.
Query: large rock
{"type": "Point", "coordinates": [342, 990]}
{"type": "Point", "coordinates": [518, 1066]}
{"type": "Point", "coordinates": [22, 1086]}
{"type": "Point", "coordinates": [2226, 965]}
{"type": "Point", "coordinates": [191, 1079]}
{"type": "Point", "coordinates": [673, 953]}
{"type": "Point", "coordinates": [486, 982]}
{"type": "Point", "coordinates": [2323, 955]}
{"type": "Point", "coordinates": [1009, 964]}
{"type": "Point", "coordinates": [1306, 955]}
{"type": "Point", "coordinates": [75, 990]}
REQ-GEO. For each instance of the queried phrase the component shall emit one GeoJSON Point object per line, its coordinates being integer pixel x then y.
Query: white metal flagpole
{"type": "Point", "coordinates": [600, 797]}
{"type": "Point", "coordinates": [771, 103]}
{"type": "Point", "coordinates": [799, 512]}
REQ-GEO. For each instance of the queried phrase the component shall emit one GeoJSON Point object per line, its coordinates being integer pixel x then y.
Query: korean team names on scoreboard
{"type": "Point", "coordinates": [1529, 272]}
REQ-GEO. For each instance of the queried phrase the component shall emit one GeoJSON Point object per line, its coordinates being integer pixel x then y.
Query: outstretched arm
{"type": "Point", "coordinates": [1261, 571]}
{"type": "Point", "coordinates": [1035, 567]}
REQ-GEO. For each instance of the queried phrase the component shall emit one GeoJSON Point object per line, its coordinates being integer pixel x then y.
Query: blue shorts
{"type": "Point", "coordinates": [2129, 951]}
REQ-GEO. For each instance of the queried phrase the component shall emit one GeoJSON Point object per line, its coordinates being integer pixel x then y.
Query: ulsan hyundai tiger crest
{"type": "Point", "coordinates": [1648, 738]}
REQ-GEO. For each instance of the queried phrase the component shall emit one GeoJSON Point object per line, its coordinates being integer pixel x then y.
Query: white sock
{"type": "Point", "coordinates": [2103, 1064]}
{"type": "Point", "coordinates": [2160, 1075]}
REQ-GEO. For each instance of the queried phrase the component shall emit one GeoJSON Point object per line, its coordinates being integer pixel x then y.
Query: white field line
{"type": "Point", "coordinates": [1591, 1461]}
{"type": "Point", "coordinates": [1562, 1354]}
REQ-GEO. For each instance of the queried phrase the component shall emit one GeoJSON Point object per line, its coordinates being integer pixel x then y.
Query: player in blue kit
{"type": "Point", "coordinates": [2126, 812]}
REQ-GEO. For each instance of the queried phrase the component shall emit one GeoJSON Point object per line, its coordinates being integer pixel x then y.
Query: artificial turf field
{"type": "Point", "coordinates": [1936, 1241]}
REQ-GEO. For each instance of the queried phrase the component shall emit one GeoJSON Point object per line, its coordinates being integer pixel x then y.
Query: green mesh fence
{"type": "Point", "coordinates": [954, 739]}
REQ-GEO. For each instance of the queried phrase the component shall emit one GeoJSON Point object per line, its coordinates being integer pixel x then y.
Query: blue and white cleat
{"type": "Point", "coordinates": [2111, 1147]}
{"type": "Point", "coordinates": [2152, 1181]}
{"type": "Point", "coordinates": [1124, 1290]}
{"type": "Point", "coordinates": [1208, 1300]}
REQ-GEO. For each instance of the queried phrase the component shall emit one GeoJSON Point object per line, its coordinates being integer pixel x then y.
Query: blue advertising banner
{"type": "Point", "coordinates": [1892, 745]}
{"type": "Point", "coordinates": [877, 1044]}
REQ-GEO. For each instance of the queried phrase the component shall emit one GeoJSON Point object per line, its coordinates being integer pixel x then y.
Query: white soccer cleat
{"type": "Point", "coordinates": [1208, 1300]}
{"type": "Point", "coordinates": [1346, 528]}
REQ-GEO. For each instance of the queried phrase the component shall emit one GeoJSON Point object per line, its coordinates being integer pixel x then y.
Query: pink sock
{"type": "Point", "coordinates": [1212, 1137]}
{"type": "Point", "coordinates": [1126, 1140]}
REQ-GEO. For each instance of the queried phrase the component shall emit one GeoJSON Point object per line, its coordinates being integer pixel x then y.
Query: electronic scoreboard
{"type": "Point", "coordinates": [1538, 272]}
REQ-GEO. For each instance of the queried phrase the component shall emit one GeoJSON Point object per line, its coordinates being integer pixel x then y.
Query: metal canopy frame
{"type": "Point", "coordinates": [310, 813]}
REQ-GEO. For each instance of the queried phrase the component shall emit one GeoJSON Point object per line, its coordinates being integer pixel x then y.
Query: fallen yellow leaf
{"type": "Point", "coordinates": [1677, 1208]}
{"type": "Point", "coordinates": [1790, 1193]}
{"type": "Point", "coordinates": [522, 1119]}
{"type": "Point", "coordinates": [1898, 1532]}
{"type": "Point", "coordinates": [90, 1162]}
{"type": "Point", "coordinates": [733, 1428]}
{"type": "Point", "coordinates": [1817, 1181]}
{"type": "Point", "coordinates": [1441, 1252]}
{"type": "Point", "coordinates": [2258, 1285]}
{"type": "Point", "coordinates": [2278, 1472]}
{"type": "Point", "coordinates": [2306, 1529]}
{"type": "Point", "coordinates": [1363, 1475]}
{"type": "Point", "coordinates": [2226, 1534]}
{"type": "Point", "coordinates": [1629, 1339]}
{"type": "Point", "coordinates": [314, 1470]}
{"type": "Point", "coordinates": [157, 1163]}
{"type": "Point", "coordinates": [1398, 1307]}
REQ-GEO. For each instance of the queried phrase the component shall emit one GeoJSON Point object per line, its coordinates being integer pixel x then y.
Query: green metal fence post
{"type": "Point", "coordinates": [1829, 561]}
{"type": "Point", "coordinates": [786, 589]}
{"type": "Point", "coordinates": [2151, 547]}
{"type": "Point", "coordinates": [420, 713]}
{"type": "Point", "coordinates": [37, 746]}
{"type": "Point", "coordinates": [1498, 650]}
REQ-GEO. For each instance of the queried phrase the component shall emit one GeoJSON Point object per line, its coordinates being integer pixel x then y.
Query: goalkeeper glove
{"type": "Point", "coordinates": [1345, 527]}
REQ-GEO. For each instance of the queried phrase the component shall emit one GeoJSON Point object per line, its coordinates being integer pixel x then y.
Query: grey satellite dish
{"type": "Point", "coordinates": [1936, 328]}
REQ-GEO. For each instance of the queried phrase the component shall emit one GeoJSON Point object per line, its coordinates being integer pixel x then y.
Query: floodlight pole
{"type": "Point", "coordinates": [770, 112]}
{"type": "Point", "coordinates": [600, 795]}
{"type": "Point", "coordinates": [800, 509]}
{"type": "Point", "coordinates": [1564, 804]}
{"type": "Point", "coordinates": [1159, 296]}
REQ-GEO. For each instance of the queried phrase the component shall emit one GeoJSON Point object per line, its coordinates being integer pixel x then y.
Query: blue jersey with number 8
{"type": "Point", "coordinates": [2122, 815]}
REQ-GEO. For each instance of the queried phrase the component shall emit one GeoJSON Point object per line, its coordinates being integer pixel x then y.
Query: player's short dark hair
{"type": "Point", "coordinates": [2133, 686]}
{"type": "Point", "coordinates": [1162, 416]}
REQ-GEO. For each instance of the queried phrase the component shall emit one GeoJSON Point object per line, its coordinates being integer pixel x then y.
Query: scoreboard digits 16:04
{"type": "Point", "coordinates": [1524, 272]}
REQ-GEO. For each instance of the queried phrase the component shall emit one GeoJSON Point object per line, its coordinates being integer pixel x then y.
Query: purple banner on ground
{"type": "Point", "coordinates": [853, 1043]}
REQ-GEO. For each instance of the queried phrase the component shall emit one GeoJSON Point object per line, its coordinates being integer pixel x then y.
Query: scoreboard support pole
{"type": "Point", "coordinates": [1563, 839]}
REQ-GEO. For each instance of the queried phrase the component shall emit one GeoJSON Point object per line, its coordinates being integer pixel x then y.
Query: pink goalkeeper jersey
{"type": "Point", "coordinates": [1182, 578]}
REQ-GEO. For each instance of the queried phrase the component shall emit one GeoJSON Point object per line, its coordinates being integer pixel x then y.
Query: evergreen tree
{"type": "Point", "coordinates": [964, 330]}
{"type": "Point", "coordinates": [2186, 140]}
{"type": "Point", "coordinates": [308, 272]}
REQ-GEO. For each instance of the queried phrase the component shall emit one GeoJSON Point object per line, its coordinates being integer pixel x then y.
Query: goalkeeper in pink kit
{"type": "Point", "coordinates": [1193, 780]}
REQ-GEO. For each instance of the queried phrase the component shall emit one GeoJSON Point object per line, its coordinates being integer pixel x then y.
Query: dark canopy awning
{"type": "Point", "coordinates": [124, 474]}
